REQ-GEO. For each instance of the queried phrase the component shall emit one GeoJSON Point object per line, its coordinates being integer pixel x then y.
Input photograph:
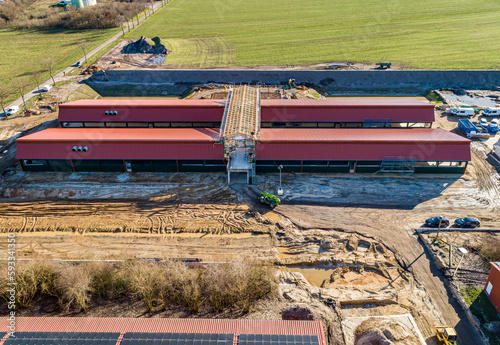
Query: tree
{"type": "Point", "coordinates": [84, 46]}
{"type": "Point", "coordinates": [36, 76]}
{"type": "Point", "coordinates": [21, 84]}
{"type": "Point", "coordinates": [5, 93]}
{"type": "Point", "coordinates": [49, 65]}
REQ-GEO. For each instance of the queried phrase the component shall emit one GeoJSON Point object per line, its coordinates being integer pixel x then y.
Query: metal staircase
{"type": "Point", "coordinates": [399, 165]}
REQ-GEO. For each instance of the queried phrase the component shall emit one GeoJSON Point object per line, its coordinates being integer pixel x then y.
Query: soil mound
{"type": "Point", "coordinates": [145, 46]}
{"type": "Point", "coordinates": [384, 332]}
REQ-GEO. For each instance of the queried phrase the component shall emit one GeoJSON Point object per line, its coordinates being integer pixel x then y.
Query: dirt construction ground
{"type": "Point", "coordinates": [348, 240]}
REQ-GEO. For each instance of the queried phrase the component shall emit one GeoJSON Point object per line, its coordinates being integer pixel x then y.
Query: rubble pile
{"type": "Point", "coordinates": [145, 46]}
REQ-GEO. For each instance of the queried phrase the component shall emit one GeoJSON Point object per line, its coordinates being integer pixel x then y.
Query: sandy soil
{"type": "Point", "coordinates": [359, 231]}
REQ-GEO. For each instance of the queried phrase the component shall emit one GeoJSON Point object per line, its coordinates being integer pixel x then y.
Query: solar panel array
{"type": "Point", "coordinates": [63, 338]}
{"type": "Point", "coordinates": [143, 338]}
{"type": "Point", "coordinates": [277, 339]}
{"type": "Point", "coordinates": [134, 338]}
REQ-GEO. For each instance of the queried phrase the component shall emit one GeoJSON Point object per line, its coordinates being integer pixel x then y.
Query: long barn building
{"type": "Point", "coordinates": [246, 134]}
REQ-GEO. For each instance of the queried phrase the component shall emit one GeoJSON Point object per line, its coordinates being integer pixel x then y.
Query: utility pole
{"type": "Point", "coordinates": [439, 228]}
{"type": "Point", "coordinates": [450, 257]}
{"type": "Point", "coordinates": [463, 251]}
{"type": "Point", "coordinates": [280, 189]}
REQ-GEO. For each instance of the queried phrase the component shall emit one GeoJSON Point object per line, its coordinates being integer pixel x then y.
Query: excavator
{"type": "Point", "coordinates": [446, 335]}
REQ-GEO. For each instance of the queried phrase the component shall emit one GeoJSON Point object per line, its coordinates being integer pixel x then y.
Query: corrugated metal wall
{"type": "Point", "coordinates": [494, 280]}
{"type": "Point", "coordinates": [128, 150]}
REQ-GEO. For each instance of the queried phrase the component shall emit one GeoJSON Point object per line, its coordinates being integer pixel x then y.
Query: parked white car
{"type": "Point", "coordinates": [491, 112]}
{"type": "Point", "coordinates": [12, 110]}
{"type": "Point", "coordinates": [46, 88]}
{"type": "Point", "coordinates": [467, 112]}
{"type": "Point", "coordinates": [483, 123]}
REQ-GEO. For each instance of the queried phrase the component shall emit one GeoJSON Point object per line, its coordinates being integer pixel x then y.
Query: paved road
{"type": "Point", "coordinates": [61, 75]}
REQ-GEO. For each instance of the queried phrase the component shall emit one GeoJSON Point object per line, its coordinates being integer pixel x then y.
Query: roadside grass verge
{"type": "Point", "coordinates": [90, 61]}
{"type": "Point", "coordinates": [83, 92]}
{"type": "Point", "coordinates": [482, 308]}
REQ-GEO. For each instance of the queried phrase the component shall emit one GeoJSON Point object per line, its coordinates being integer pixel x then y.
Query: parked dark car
{"type": "Point", "coordinates": [434, 222]}
{"type": "Point", "coordinates": [467, 222]}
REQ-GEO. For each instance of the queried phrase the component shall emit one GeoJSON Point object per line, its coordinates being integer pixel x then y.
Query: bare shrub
{"type": "Point", "coordinates": [4, 279]}
{"type": "Point", "coordinates": [106, 15]}
{"type": "Point", "coordinates": [104, 280]}
{"type": "Point", "coordinates": [75, 285]}
{"type": "Point", "coordinates": [146, 280]}
{"type": "Point", "coordinates": [182, 286]}
{"type": "Point", "coordinates": [237, 284]}
{"type": "Point", "coordinates": [35, 278]}
{"type": "Point", "coordinates": [223, 284]}
{"type": "Point", "coordinates": [260, 283]}
{"type": "Point", "coordinates": [103, 15]}
{"type": "Point", "coordinates": [491, 251]}
{"type": "Point", "coordinates": [219, 286]}
{"type": "Point", "coordinates": [10, 10]}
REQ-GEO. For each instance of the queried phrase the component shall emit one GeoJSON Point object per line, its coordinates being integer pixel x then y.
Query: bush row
{"type": "Point", "coordinates": [10, 10]}
{"type": "Point", "coordinates": [103, 15]}
{"type": "Point", "coordinates": [218, 286]}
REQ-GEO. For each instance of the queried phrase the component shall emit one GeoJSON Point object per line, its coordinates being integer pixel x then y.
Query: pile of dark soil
{"type": "Point", "coordinates": [145, 46]}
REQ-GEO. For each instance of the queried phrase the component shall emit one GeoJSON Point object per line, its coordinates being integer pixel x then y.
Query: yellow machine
{"type": "Point", "coordinates": [447, 335]}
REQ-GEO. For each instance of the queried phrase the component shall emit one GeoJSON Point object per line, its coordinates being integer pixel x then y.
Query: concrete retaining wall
{"type": "Point", "coordinates": [330, 80]}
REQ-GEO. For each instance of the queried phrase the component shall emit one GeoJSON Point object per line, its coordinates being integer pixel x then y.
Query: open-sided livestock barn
{"type": "Point", "coordinates": [323, 113]}
{"type": "Point", "coordinates": [327, 143]}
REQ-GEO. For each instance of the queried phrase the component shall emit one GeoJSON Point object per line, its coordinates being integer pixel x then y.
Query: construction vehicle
{"type": "Point", "coordinates": [446, 335]}
{"type": "Point", "coordinates": [269, 199]}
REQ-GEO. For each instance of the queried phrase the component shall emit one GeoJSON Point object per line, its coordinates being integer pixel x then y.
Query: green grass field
{"type": "Point", "coordinates": [23, 51]}
{"type": "Point", "coordinates": [424, 34]}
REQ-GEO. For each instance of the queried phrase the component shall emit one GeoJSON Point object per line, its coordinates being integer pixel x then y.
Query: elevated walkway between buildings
{"type": "Point", "coordinates": [239, 129]}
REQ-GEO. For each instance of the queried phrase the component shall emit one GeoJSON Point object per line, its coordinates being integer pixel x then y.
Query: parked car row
{"type": "Point", "coordinates": [492, 127]}
{"type": "Point", "coordinates": [468, 111]}
{"type": "Point", "coordinates": [466, 222]}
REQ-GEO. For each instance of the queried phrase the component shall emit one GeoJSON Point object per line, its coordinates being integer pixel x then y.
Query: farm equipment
{"type": "Point", "coordinates": [446, 335]}
{"type": "Point", "coordinates": [269, 199]}
{"type": "Point", "coordinates": [384, 65]}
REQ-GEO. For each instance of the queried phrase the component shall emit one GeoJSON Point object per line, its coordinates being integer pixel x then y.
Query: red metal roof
{"type": "Point", "coordinates": [121, 143]}
{"type": "Point", "coordinates": [361, 144]}
{"type": "Point", "coordinates": [71, 135]}
{"type": "Point", "coordinates": [210, 110]}
{"type": "Point", "coordinates": [89, 324]}
{"type": "Point", "coordinates": [147, 103]}
{"type": "Point", "coordinates": [346, 110]}
{"type": "Point", "coordinates": [287, 144]}
{"type": "Point", "coordinates": [360, 135]}
{"type": "Point", "coordinates": [140, 110]}
{"type": "Point", "coordinates": [347, 102]}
